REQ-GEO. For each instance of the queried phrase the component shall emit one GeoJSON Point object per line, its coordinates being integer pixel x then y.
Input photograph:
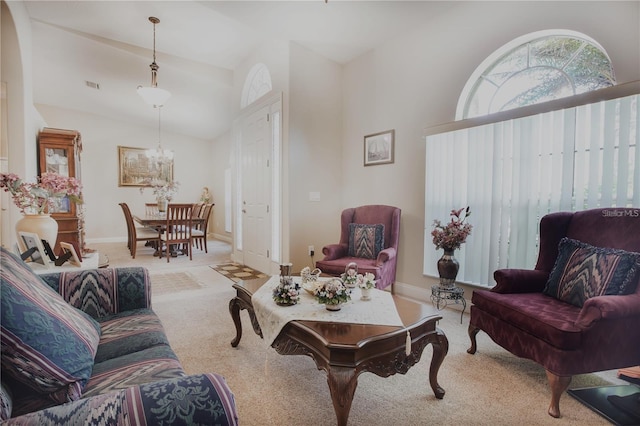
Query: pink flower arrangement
{"type": "Point", "coordinates": [452, 235]}
{"type": "Point", "coordinates": [36, 198]}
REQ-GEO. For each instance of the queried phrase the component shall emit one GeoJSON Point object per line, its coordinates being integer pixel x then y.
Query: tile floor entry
{"type": "Point", "coordinates": [236, 272]}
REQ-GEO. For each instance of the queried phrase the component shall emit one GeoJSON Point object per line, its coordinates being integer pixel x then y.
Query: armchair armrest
{"type": "Point", "coordinates": [196, 399]}
{"type": "Point", "coordinates": [519, 280]}
{"type": "Point", "coordinates": [101, 292]}
{"type": "Point", "coordinates": [335, 251]}
{"type": "Point", "coordinates": [608, 307]}
{"type": "Point", "coordinates": [385, 255]}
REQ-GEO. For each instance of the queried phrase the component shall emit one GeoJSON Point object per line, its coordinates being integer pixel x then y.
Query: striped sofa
{"type": "Point", "coordinates": [85, 348]}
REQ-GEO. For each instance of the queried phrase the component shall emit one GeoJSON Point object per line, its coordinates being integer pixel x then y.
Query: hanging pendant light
{"type": "Point", "coordinates": [154, 95]}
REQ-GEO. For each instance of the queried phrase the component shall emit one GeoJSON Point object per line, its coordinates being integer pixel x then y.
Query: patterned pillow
{"type": "Point", "coordinates": [583, 271]}
{"type": "Point", "coordinates": [47, 344]}
{"type": "Point", "coordinates": [365, 241]}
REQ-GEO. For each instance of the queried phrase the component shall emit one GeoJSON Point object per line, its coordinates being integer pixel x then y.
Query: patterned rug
{"type": "Point", "coordinates": [236, 272]}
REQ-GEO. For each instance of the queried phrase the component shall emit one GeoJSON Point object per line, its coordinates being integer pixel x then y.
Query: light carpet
{"type": "Point", "coordinates": [489, 388]}
{"type": "Point", "coordinates": [172, 282]}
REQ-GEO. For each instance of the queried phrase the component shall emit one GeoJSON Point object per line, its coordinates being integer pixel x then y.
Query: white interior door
{"type": "Point", "coordinates": [256, 189]}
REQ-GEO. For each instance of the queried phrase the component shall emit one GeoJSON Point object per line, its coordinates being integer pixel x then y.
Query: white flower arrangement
{"type": "Point", "coordinates": [366, 281]}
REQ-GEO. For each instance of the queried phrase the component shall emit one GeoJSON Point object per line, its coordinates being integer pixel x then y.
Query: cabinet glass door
{"type": "Point", "coordinates": [57, 161]}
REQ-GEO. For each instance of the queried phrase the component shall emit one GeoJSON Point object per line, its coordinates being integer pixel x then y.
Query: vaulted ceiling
{"type": "Point", "coordinates": [198, 44]}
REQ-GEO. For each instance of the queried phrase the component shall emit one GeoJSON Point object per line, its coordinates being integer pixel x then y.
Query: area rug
{"type": "Point", "coordinates": [171, 282]}
{"type": "Point", "coordinates": [236, 272]}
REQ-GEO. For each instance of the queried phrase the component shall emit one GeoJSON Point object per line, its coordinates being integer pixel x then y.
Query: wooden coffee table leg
{"type": "Point", "coordinates": [440, 349]}
{"type": "Point", "coordinates": [234, 310]}
{"type": "Point", "coordinates": [342, 386]}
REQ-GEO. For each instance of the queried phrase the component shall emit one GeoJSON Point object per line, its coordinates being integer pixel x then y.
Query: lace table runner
{"type": "Point", "coordinates": [380, 310]}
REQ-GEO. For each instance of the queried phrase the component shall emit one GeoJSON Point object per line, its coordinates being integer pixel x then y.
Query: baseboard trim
{"type": "Point", "coordinates": [225, 238]}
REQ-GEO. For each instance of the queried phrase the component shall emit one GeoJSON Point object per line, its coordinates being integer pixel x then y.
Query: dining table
{"type": "Point", "coordinates": [158, 220]}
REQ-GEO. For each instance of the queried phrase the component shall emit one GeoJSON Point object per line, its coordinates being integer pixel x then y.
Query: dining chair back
{"type": "Point", "coordinates": [199, 233]}
{"type": "Point", "coordinates": [151, 209]}
{"type": "Point", "coordinates": [197, 210]}
{"type": "Point", "coordinates": [136, 234]}
{"type": "Point", "coordinates": [178, 228]}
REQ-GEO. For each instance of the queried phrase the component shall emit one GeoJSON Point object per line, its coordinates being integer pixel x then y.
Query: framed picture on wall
{"type": "Point", "coordinates": [378, 148]}
{"type": "Point", "coordinates": [135, 168]}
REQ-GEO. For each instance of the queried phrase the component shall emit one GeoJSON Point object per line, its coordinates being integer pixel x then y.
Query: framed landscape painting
{"type": "Point", "coordinates": [378, 148]}
{"type": "Point", "coordinates": [136, 169]}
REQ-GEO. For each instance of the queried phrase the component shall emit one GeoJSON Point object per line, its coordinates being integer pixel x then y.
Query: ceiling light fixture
{"type": "Point", "coordinates": [159, 157]}
{"type": "Point", "coordinates": [153, 95]}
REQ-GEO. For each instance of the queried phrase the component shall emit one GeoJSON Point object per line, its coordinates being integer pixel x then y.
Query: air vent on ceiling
{"type": "Point", "coordinates": [92, 84]}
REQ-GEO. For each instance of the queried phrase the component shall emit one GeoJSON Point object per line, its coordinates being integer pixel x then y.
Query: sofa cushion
{"type": "Point", "coordinates": [136, 368]}
{"type": "Point", "coordinates": [47, 345]}
{"type": "Point", "coordinates": [537, 314]}
{"type": "Point", "coordinates": [582, 271]}
{"type": "Point", "coordinates": [365, 241]}
{"type": "Point", "coordinates": [129, 332]}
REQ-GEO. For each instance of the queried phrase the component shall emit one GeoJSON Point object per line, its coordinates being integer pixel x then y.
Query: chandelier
{"type": "Point", "coordinates": [159, 157]}
{"type": "Point", "coordinates": [154, 95]}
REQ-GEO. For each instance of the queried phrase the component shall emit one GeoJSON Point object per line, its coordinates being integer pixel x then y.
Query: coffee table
{"type": "Point", "coordinates": [345, 350]}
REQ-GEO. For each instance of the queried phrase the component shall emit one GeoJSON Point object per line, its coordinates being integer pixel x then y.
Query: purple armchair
{"type": "Point", "coordinates": [565, 338]}
{"type": "Point", "coordinates": [382, 263]}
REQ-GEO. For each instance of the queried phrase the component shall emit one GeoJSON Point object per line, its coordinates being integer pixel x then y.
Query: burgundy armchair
{"type": "Point", "coordinates": [562, 337]}
{"type": "Point", "coordinates": [381, 264]}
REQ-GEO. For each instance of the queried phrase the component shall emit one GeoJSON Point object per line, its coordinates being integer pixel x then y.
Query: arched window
{"type": "Point", "coordinates": [536, 68]}
{"type": "Point", "coordinates": [258, 83]}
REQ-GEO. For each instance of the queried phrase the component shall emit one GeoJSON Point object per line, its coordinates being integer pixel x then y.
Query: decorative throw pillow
{"type": "Point", "coordinates": [583, 271]}
{"type": "Point", "coordinates": [47, 344]}
{"type": "Point", "coordinates": [365, 241]}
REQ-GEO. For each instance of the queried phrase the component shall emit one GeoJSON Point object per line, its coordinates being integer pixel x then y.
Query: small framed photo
{"type": "Point", "coordinates": [378, 148]}
{"type": "Point", "coordinates": [33, 241]}
{"type": "Point", "coordinates": [68, 248]}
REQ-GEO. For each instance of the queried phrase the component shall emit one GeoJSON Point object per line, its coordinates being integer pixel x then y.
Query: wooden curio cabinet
{"type": "Point", "coordinates": [59, 152]}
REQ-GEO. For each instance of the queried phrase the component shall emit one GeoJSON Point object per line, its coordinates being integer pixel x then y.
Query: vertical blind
{"type": "Point", "coordinates": [511, 173]}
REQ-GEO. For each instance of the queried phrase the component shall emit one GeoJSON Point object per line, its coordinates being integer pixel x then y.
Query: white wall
{"type": "Point", "coordinates": [315, 127]}
{"type": "Point", "coordinates": [22, 122]}
{"type": "Point", "coordinates": [104, 220]}
{"type": "Point", "coordinates": [414, 81]}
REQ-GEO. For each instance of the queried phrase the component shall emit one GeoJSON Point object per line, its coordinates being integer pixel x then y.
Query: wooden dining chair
{"type": "Point", "coordinates": [199, 233]}
{"type": "Point", "coordinates": [136, 234]}
{"type": "Point", "coordinates": [178, 228]}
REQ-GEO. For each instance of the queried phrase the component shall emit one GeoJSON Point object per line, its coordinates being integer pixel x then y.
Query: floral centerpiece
{"type": "Point", "coordinates": [39, 197]}
{"type": "Point", "coordinates": [452, 235]}
{"type": "Point", "coordinates": [350, 275]}
{"type": "Point", "coordinates": [163, 190]}
{"type": "Point", "coordinates": [366, 281]}
{"type": "Point", "coordinates": [332, 293]}
{"type": "Point", "coordinates": [287, 292]}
